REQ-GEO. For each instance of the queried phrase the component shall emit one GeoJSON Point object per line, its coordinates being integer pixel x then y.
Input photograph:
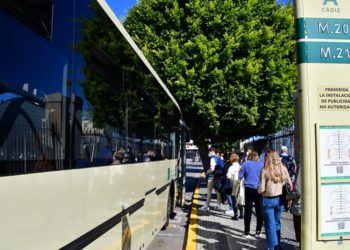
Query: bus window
{"type": "Point", "coordinates": [35, 14]}
{"type": "Point", "coordinates": [74, 101]}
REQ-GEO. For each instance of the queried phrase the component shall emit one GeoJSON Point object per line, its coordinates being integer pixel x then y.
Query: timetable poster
{"type": "Point", "coordinates": [334, 146]}
{"type": "Point", "coordinates": [335, 210]}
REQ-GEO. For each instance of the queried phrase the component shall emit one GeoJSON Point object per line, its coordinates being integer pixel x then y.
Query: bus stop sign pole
{"type": "Point", "coordinates": [323, 49]}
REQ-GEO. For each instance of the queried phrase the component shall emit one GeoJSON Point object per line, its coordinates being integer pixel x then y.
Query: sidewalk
{"type": "Point", "coordinates": [215, 230]}
{"type": "Point", "coordinates": [174, 237]}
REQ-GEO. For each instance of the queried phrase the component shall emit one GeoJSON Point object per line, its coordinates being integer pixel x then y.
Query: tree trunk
{"type": "Point", "coordinates": [203, 151]}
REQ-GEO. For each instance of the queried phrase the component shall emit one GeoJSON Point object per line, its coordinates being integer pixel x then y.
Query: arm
{"type": "Point", "coordinates": [241, 172]}
{"type": "Point", "coordinates": [262, 182]}
{"type": "Point", "coordinates": [294, 170]}
{"type": "Point", "coordinates": [288, 180]}
{"type": "Point", "coordinates": [212, 166]}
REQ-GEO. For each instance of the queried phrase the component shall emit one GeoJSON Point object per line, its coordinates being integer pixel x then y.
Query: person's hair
{"type": "Point", "coordinates": [119, 155]}
{"type": "Point", "coordinates": [234, 157]}
{"type": "Point", "coordinates": [253, 156]}
{"type": "Point", "coordinates": [273, 167]}
{"type": "Point", "coordinates": [211, 149]}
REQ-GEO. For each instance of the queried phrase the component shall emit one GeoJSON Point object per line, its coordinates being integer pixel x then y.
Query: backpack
{"type": "Point", "coordinates": [219, 173]}
{"type": "Point", "coordinates": [219, 167]}
{"type": "Point", "coordinates": [288, 161]}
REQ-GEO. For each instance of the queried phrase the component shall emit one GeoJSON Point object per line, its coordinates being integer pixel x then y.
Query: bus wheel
{"type": "Point", "coordinates": [168, 212]}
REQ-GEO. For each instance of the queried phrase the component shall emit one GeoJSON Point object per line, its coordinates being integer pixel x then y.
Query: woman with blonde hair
{"type": "Point", "coordinates": [272, 178]}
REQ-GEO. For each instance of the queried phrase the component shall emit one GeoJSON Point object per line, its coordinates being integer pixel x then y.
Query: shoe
{"type": "Point", "coordinates": [204, 208]}
{"type": "Point", "coordinates": [229, 212]}
{"type": "Point", "coordinates": [247, 236]}
{"type": "Point", "coordinates": [258, 234]}
{"type": "Point", "coordinates": [234, 217]}
{"type": "Point", "coordinates": [241, 216]}
{"type": "Point", "coordinates": [218, 207]}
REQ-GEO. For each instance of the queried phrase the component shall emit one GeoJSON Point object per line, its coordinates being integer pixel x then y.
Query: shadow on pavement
{"type": "Point", "coordinates": [216, 235]}
{"type": "Point", "coordinates": [216, 230]}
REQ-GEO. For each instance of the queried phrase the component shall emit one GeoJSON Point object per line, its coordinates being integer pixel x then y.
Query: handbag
{"type": "Point", "coordinates": [241, 196]}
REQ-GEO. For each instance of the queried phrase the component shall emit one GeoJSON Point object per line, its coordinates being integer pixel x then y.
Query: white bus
{"type": "Point", "coordinates": [89, 135]}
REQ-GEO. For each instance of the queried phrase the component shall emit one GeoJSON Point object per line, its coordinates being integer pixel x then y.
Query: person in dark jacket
{"type": "Point", "coordinates": [295, 197]}
{"type": "Point", "coordinates": [289, 162]}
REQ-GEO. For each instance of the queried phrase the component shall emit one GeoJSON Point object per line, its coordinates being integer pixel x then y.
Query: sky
{"type": "Point", "coordinates": [282, 1]}
{"type": "Point", "coordinates": [121, 7]}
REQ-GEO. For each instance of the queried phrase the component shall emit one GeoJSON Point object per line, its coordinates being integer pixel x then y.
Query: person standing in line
{"type": "Point", "coordinates": [246, 155]}
{"type": "Point", "coordinates": [215, 164]}
{"type": "Point", "coordinates": [272, 178]}
{"type": "Point", "coordinates": [264, 150]}
{"type": "Point", "coordinates": [295, 197]}
{"type": "Point", "coordinates": [240, 198]}
{"type": "Point", "coordinates": [290, 164]}
{"type": "Point", "coordinates": [250, 171]}
{"type": "Point", "coordinates": [232, 176]}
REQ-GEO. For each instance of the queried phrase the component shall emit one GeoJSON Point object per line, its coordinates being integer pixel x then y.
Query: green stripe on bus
{"type": "Point", "coordinates": [323, 28]}
{"type": "Point", "coordinates": [323, 52]}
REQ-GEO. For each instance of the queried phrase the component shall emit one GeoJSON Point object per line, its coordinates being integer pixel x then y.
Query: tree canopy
{"type": "Point", "coordinates": [230, 63]}
{"type": "Point", "coordinates": [119, 89]}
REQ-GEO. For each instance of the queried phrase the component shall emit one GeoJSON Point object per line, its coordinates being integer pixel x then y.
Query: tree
{"type": "Point", "coordinates": [116, 84]}
{"type": "Point", "coordinates": [230, 63]}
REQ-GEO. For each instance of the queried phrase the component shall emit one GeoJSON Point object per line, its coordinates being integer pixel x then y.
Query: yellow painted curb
{"type": "Point", "coordinates": [192, 228]}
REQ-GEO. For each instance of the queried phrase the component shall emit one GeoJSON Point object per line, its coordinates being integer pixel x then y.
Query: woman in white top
{"type": "Point", "coordinates": [232, 175]}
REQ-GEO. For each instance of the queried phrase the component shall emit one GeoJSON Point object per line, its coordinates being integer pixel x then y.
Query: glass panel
{"type": "Point", "coordinates": [125, 112]}
{"type": "Point", "coordinates": [37, 14]}
{"type": "Point", "coordinates": [78, 101]}
{"type": "Point", "coordinates": [34, 88]}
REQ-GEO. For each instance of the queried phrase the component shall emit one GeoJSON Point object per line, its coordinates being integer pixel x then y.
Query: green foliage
{"type": "Point", "coordinates": [230, 64]}
{"type": "Point", "coordinates": [120, 91]}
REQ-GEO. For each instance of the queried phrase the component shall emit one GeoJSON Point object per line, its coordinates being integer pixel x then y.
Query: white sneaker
{"type": "Point", "coordinates": [229, 212]}
{"type": "Point", "coordinates": [204, 208]}
{"type": "Point", "coordinates": [218, 207]}
{"type": "Point", "coordinates": [258, 235]}
{"type": "Point", "coordinates": [248, 237]}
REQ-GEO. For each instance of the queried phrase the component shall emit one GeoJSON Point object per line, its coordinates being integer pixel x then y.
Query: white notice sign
{"type": "Point", "coordinates": [334, 152]}
{"type": "Point", "coordinates": [335, 209]}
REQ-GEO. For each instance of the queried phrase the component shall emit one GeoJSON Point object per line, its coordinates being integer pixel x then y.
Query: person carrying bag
{"type": "Point", "coordinates": [240, 198]}
{"type": "Point", "coordinates": [232, 185]}
{"type": "Point", "coordinates": [272, 178]}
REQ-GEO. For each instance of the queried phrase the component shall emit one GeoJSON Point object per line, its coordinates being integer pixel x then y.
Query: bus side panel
{"type": "Point", "coordinates": [50, 210]}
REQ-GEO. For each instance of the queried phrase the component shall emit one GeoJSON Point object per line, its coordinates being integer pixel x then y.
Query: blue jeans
{"type": "Point", "coordinates": [229, 201]}
{"type": "Point", "coordinates": [272, 210]}
{"type": "Point", "coordinates": [232, 203]}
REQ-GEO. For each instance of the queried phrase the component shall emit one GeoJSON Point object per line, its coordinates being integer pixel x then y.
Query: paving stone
{"type": "Point", "coordinates": [216, 230]}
